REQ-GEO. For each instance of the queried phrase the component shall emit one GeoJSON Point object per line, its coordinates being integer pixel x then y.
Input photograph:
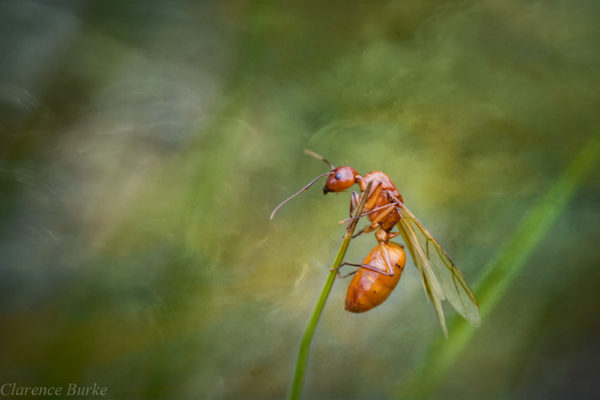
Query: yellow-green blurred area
{"type": "Point", "coordinates": [144, 144]}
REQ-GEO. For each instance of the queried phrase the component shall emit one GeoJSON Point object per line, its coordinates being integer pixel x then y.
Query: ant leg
{"type": "Point", "coordinates": [367, 229]}
{"type": "Point", "coordinates": [339, 275]}
{"type": "Point", "coordinates": [375, 224]}
{"type": "Point", "coordinates": [375, 192]}
{"type": "Point", "coordinates": [369, 267]}
{"type": "Point", "coordinates": [391, 207]}
{"type": "Point", "coordinates": [374, 196]}
{"type": "Point", "coordinates": [369, 204]}
{"type": "Point", "coordinates": [386, 258]}
{"type": "Point", "coordinates": [393, 198]}
{"type": "Point", "coordinates": [353, 202]}
{"type": "Point", "coordinates": [364, 214]}
{"type": "Point", "coordinates": [392, 235]}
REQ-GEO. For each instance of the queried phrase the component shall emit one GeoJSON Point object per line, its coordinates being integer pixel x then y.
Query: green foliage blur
{"type": "Point", "coordinates": [143, 145]}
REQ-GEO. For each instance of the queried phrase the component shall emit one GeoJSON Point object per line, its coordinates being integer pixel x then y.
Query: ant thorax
{"type": "Point", "coordinates": [376, 177]}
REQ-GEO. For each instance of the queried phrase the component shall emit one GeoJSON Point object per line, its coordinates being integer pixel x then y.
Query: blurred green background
{"type": "Point", "coordinates": [144, 144]}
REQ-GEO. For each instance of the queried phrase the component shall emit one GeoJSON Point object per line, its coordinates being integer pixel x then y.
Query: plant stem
{"type": "Point", "coordinates": [309, 331]}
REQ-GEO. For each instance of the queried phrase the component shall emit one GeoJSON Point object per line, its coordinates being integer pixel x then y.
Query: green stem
{"type": "Point", "coordinates": [309, 331]}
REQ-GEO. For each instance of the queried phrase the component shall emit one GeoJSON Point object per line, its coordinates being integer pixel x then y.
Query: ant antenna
{"type": "Point", "coordinates": [318, 157]}
{"type": "Point", "coordinates": [297, 193]}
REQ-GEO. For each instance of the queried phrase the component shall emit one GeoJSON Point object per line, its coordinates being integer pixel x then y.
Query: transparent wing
{"type": "Point", "coordinates": [428, 279]}
{"type": "Point", "coordinates": [442, 280]}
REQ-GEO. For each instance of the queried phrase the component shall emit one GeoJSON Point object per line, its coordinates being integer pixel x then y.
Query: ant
{"type": "Point", "coordinates": [385, 209]}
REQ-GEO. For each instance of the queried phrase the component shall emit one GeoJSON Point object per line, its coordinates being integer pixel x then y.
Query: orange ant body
{"type": "Point", "coordinates": [377, 276]}
{"type": "Point", "coordinates": [385, 209]}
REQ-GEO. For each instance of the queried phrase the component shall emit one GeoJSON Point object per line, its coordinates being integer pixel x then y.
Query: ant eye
{"type": "Point", "coordinates": [338, 176]}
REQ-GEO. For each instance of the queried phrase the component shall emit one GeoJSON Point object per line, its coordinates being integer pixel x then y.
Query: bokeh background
{"type": "Point", "coordinates": [144, 144]}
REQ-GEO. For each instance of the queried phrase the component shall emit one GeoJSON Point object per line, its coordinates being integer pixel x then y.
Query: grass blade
{"type": "Point", "coordinates": [309, 331]}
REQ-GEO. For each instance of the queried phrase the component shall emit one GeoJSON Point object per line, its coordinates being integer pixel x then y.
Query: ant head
{"type": "Point", "coordinates": [340, 179]}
